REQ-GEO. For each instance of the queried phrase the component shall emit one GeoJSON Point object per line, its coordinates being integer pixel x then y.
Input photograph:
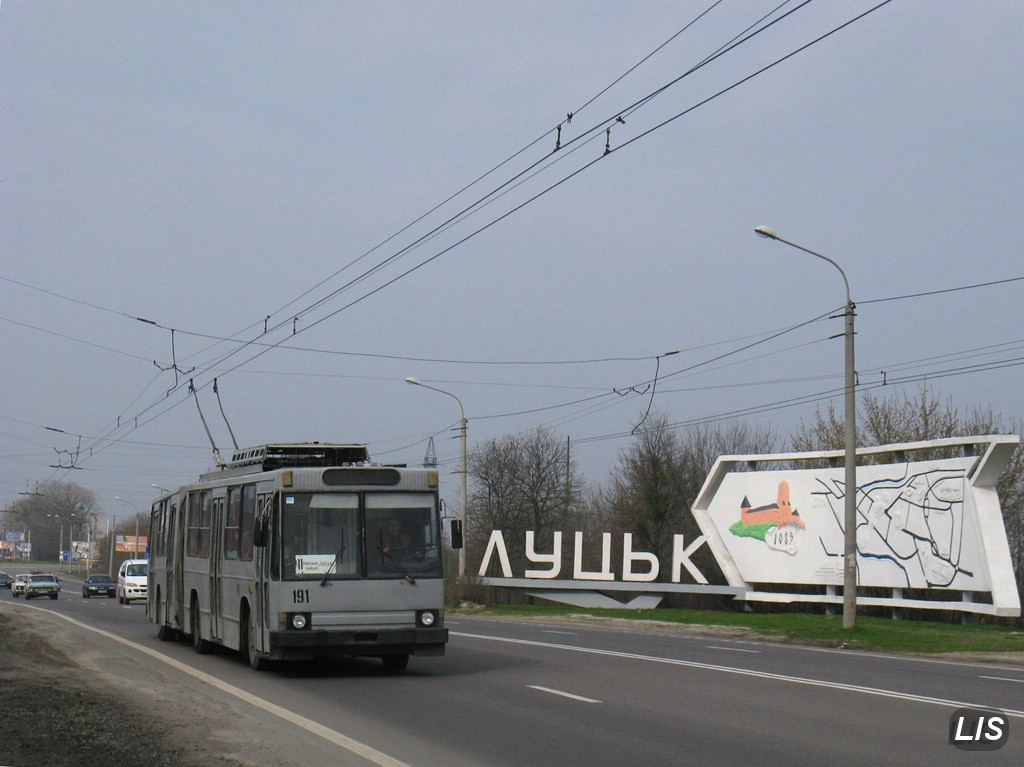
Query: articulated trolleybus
{"type": "Point", "coordinates": [299, 551]}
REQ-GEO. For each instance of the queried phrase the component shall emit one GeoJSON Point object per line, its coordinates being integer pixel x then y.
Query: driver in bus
{"type": "Point", "coordinates": [395, 541]}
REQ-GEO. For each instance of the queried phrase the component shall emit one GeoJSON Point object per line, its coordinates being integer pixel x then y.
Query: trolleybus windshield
{"type": "Point", "coordinates": [333, 536]}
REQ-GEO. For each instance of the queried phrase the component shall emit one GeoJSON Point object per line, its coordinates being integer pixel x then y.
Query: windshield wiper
{"type": "Point", "coordinates": [385, 554]}
{"type": "Point", "coordinates": [338, 557]}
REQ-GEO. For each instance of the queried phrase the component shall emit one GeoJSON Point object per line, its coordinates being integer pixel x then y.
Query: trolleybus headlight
{"type": "Point", "coordinates": [427, 618]}
{"type": "Point", "coordinates": [299, 621]}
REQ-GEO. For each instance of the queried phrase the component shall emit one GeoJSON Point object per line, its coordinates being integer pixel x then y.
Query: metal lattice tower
{"type": "Point", "coordinates": [430, 457]}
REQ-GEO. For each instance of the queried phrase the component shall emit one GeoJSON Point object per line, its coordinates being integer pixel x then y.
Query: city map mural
{"type": "Point", "coordinates": [916, 526]}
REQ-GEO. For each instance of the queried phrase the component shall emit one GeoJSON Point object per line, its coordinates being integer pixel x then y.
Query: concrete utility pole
{"type": "Point", "coordinates": [850, 418]}
{"type": "Point", "coordinates": [135, 547]}
{"type": "Point", "coordinates": [462, 441]}
{"type": "Point", "coordinates": [111, 527]}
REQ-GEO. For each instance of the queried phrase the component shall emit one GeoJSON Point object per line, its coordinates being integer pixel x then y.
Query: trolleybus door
{"type": "Point", "coordinates": [216, 557]}
{"type": "Point", "coordinates": [175, 566]}
{"type": "Point", "coordinates": [169, 546]}
{"type": "Point", "coordinates": [261, 567]}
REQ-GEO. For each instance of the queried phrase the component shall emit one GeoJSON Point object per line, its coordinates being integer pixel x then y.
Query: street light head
{"type": "Point", "coordinates": [414, 381]}
{"type": "Point", "coordinates": [766, 232]}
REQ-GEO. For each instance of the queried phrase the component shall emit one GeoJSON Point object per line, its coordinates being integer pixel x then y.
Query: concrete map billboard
{"type": "Point", "coordinates": [921, 524]}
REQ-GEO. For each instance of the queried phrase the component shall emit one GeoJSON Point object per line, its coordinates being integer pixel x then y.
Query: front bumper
{"type": "Point", "coordinates": [33, 593]}
{"type": "Point", "coordinates": [358, 642]}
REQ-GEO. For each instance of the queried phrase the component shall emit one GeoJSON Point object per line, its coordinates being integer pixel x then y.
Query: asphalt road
{"type": "Point", "coordinates": [513, 692]}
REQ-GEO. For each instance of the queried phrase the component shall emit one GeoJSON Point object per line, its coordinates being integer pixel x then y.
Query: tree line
{"type": "Point", "coordinates": [530, 481]}
{"type": "Point", "coordinates": [58, 513]}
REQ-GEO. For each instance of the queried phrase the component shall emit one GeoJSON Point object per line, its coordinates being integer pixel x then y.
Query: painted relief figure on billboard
{"type": "Point", "coordinates": [777, 524]}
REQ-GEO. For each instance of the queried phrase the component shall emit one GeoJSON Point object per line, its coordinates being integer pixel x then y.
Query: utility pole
{"type": "Point", "coordinates": [111, 527]}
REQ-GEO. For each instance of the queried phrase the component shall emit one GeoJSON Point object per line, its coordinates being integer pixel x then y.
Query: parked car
{"type": "Point", "coordinates": [132, 580]}
{"type": "Point", "coordinates": [44, 585]}
{"type": "Point", "coordinates": [5, 581]}
{"type": "Point", "coordinates": [99, 586]}
{"type": "Point", "coordinates": [18, 584]}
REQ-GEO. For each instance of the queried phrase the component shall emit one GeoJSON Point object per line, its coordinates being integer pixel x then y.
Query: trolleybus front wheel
{"type": "Point", "coordinates": [395, 662]}
{"type": "Point", "coordinates": [200, 645]}
{"type": "Point", "coordinates": [165, 633]}
{"type": "Point", "coordinates": [256, 661]}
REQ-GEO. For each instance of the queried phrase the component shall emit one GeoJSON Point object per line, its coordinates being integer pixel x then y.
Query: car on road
{"type": "Point", "coordinates": [5, 581]}
{"type": "Point", "coordinates": [132, 580]}
{"type": "Point", "coordinates": [18, 584]}
{"type": "Point", "coordinates": [42, 585]}
{"type": "Point", "coordinates": [99, 586]}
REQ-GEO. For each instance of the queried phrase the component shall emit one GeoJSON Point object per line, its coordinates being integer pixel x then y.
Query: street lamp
{"type": "Point", "coordinates": [136, 546]}
{"type": "Point", "coordinates": [60, 539]}
{"type": "Point", "coordinates": [850, 418]}
{"type": "Point", "coordinates": [462, 441]}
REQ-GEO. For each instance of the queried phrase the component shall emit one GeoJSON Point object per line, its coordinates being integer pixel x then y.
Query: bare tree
{"type": "Point", "coordinates": [520, 483]}
{"type": "Point", "coordinates": [52, 515]}
{"type": "Point", "coordinates": [660, 475]}
{"type": "Point", "coordinates": [647, 491]}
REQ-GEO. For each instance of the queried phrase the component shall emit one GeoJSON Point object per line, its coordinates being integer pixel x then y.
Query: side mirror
{"type": "Point", "coordinates": [456, 533]}
{"type": "Point", "coordinates": [259, 533]}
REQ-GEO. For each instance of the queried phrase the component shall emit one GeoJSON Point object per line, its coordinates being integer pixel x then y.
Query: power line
{"type": "Point", "coordinates": [943, 290]}
{"type": "Point", "coordinates": [488, 225]}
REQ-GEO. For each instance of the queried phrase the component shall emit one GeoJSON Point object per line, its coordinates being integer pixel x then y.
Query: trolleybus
{"type": "Point", "coordinates": [299, 551]}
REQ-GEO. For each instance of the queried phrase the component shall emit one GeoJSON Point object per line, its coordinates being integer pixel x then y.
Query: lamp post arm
{"type": "Point", "coordinates": [771, 234]}
{"type": "Point", "coordinates": [418, 382]}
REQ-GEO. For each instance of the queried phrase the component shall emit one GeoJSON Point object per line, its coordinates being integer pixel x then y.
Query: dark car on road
{"type": "Point", "coordinates": [5, 581]}
{"type": "Point", "coordinates": [99, 586]}
{"type": "Point", "coordinates": [42, 586]}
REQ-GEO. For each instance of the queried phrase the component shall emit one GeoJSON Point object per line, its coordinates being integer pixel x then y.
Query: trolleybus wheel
{"type": "Point", "coordinates": [200, 645]}
{"type": "Point", "coordinates": [395, 662]}
{"type": "Point", "coordinates": [164, 633]}
{"type": "Point", "coordinates": [256, 661]}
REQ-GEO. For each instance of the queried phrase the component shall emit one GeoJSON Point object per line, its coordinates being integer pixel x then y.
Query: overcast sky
{"type": "Point", "coordinates": [218, 168]}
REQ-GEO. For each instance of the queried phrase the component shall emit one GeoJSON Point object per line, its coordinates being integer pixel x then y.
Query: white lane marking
{"type": "Point", "coordinates": [332, 736]}
{"type": "Point", "coordinates": [552, 631]}
{"type": "Point", "coordinates": [1002, 679]}
{"type": "Point", "coordinates": [745, 672]}
{"type": "Point", "coordinates": [733, 649]}
{"type": "Point", "coordinates": [563, 694]}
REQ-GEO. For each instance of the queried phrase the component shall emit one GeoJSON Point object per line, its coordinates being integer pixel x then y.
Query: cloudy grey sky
{"type": "Point", "coordinates": [309, 167]}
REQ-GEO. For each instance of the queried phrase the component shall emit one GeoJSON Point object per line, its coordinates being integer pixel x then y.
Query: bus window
{"type": "Point", "coordinates": [205, 523]}
{"type": "Point", "coordinates": [233, 524]}
{"type": "Point", "coordinates": [248, 521]}
{"type": "Point", "coordinates": [402, 535]}
{"type": "Point", "coordinates": [192, 529]}
{"type": "Point", "coordinates": [320, 536]}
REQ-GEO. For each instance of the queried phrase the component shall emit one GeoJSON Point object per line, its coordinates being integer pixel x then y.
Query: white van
{"type": "Point", "coordinates": [132, 580]}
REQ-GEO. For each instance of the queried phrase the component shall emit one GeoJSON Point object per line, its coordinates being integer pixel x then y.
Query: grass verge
{"type": "Point", "coordinates": [917, 637]}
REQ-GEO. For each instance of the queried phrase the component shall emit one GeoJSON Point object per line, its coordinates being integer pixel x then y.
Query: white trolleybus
{"type": "Point", "coordinates": [293, 552]}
